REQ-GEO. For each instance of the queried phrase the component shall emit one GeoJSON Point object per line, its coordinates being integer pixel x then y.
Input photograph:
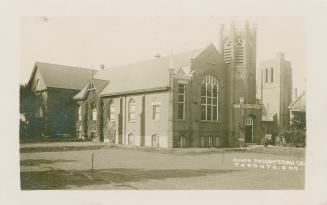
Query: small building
{"type": "Point", "coordinates": [298, 106]}
{"type": "Point", "coordinates": [49, 107]}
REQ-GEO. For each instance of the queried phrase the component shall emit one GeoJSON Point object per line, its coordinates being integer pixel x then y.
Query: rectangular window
{"type": "Point", "coordinates": [94, 115]}
{"type": "Point", "coordinates": [266, 75]}
{"type": "Point", "coordinates": [80, 113]}
{"type": "Point", "coordinates": [217, 142]}
{"type": "Point", "coordinates": [202, 142]}
{"type": "Point", "coordinates": [271, 75]}
{"type": "Point", "coordinates": [156, 112]}
{"type": "Point", "coordinates": [181, 102]}
{"type": "Point", "coordinates": [210, 141]}
{"type": "Point", "coordinates": [112, 113]}
{"type": "Point", "coordinates": [182, 142]}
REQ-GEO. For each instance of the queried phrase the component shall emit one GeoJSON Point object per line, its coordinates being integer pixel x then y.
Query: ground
{"type": "Point", "coordinates": [69, 166]}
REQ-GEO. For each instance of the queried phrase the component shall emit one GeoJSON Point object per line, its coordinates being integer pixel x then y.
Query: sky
{"type": "Point", "coordinates": [92, 41]}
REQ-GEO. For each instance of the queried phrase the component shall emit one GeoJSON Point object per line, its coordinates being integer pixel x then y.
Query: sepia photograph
{"type": "Point", "coordinates": [162, 103]}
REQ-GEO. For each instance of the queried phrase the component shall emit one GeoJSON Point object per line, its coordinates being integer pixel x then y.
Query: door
{"type": "Point", "coordinates": [249, 129]}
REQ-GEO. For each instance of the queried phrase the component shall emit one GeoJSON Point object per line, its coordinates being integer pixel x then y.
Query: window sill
{"type": "Point", "coordinates": [207, 121]}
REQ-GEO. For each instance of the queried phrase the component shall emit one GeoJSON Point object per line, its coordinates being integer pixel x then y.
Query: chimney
{"type": "Point", "coordinates": [295, 93]}
{"type": "Point", "coordinates": [280, 56]}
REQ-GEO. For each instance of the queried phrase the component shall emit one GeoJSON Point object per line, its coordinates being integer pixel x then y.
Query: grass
{"type": "Point", "coordinates": [68, 166]}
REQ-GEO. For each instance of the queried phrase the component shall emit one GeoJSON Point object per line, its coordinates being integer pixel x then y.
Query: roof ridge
{"type": "Point", "coordinates": [153, 59]}
{"type": "Point", "coordinates": [66, 66]}
{"type": "Point", "coordinates": [296, 99]}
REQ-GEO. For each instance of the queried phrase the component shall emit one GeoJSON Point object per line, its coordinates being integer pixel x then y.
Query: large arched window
{"type": "Point", "coordinates": [131, 110]}
{"type": "Point", "coordinates": [209, 98]}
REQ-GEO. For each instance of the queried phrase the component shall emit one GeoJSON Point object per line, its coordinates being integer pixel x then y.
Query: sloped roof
{"type": "Point", "coordinates": [143, 75]}
{"type": "Point", "coordinates": [299, 104]}
{"type": "Point", "coordinates": [98, 84]}
{"type": "Point", "coordinates": [61, 76]}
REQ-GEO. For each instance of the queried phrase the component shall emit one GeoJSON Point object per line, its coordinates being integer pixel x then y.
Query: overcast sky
{"type": "Point", "coordinates": [91, 41]}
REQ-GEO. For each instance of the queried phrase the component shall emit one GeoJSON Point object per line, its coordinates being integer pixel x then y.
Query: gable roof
{"type": "Point", "coordinates": [99, 85]}
{"type": "Point", "coordinates": [299, 104]}
{"type": "Point", "coordinates": [61, 76]}
{"type": "Point", "coordinates": [144, 75]}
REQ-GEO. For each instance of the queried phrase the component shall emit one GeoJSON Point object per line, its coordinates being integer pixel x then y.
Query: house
{"type": "Point", "coordinates": [298, 108]}
{"type": "Point", "coordinates": [48, 99]}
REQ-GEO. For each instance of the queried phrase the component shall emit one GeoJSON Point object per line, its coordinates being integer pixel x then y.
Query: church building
{"type": "Point", "coordinates": [201, 98]}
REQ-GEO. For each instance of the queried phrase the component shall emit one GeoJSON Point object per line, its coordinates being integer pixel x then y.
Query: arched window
{"type": "Point", "coordinates": [209, 98]}
{"type": "Point", "coordinates": [155, 109]}
{"type": "Point", "coordinates": [94, 112]}
{"type": "Point", "coordinates": [112, 110]}
{"type": "Point", "coordinates": [131, 110]}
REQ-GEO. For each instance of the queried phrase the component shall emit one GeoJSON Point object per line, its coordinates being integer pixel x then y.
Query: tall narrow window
{"type": "Point", "coordinates": [130, 139]}
{"type": "Point", "coordinates": [271, 74]}
{"type": "Point", "coordinates": [210, 144]}
{"type": "Point", "coordinates": [202, 141]}
{"type": "Point", "coordinates": [217, 142]}
{"type": "Point", "coordinates": [182, 142]}
{"type": "Point", "coordinates": [112, 111]}
{"type": "Point", "coordinates": [155, 110]}
{"type": "Point", "coordinates": [209, 98]}
{"type": "Point", "coordinates": [181, 102]}
{"type": "Point", "coordinates": [94, 112]}
{"type": "Point", "coordinates": [266, 75]}
{"type": "Point", "coordinates": [155, 141]}
{"type": "Point", "coordinates": [80, 113]}
{"type": "Point", "coordinates": [131, 111]}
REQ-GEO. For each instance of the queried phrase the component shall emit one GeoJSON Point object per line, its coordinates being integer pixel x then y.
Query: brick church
{"type": "Point", "coordinates": [201, 98]}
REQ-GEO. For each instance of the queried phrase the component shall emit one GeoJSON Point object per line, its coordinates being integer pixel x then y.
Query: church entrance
{"type": "Point", "coordinates": [249, 129]}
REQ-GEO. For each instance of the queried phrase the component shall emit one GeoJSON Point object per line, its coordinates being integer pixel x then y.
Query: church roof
{"type": "Point", "coordinates": [98, 84]}
{"type": "Point", "coordinates": [144, 75]}
{"type": "Point", "coordinates": [61, 76]}
{"type": "Point", "coordinates": [299, 104]}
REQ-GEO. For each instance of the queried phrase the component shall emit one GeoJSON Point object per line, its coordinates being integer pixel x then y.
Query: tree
{"type": "Point", "coordinates": [298, 126]}
{"type": "Point", "coordinates": [298, 121]}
